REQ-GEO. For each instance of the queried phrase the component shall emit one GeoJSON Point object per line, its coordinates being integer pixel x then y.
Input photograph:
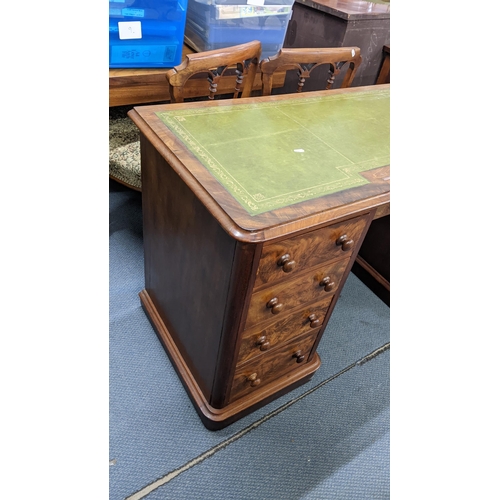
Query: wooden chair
{"type": "Point", "coordinates": [239, 60]}
{"type": "Point", "coordinates": [230, 71]}
{"type": "Point", "coordinates": [305, 61]}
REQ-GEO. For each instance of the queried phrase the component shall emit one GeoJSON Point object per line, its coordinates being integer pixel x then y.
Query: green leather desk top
{"type": "Point", "coordinates": [273, 154]}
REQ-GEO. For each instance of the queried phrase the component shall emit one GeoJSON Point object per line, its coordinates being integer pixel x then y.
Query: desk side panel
{"type": "Point", "coordinates": [188, 259]}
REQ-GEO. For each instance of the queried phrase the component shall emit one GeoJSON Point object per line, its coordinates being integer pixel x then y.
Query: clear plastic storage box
{"type": "Point", "coordinates": [214, 24]}
{"type": "Point", "coordinates": [146, 33]}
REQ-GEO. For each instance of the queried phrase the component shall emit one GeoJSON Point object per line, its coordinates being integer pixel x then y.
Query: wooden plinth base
{"type": "Point", "coordinates": [214, 418]}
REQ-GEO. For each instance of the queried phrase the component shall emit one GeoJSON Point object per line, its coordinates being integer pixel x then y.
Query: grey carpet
{"type": "Point", "coordinates": [326, 439]}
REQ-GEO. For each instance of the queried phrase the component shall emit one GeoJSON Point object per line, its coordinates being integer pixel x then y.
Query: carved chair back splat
{"type": "Point", "coordinates": [305, 61]}
{"type": "Point", "coordinates": [240, 60]}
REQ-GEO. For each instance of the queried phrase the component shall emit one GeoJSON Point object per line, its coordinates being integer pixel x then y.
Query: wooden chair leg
{"type": "Point", "coordinates": [383, 76]}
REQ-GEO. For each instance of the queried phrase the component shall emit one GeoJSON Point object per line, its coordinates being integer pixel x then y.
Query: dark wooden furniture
{"type": "Point", "coordinates": [342, 64]}
{"type": "Point", "coordinates": [240, 61]}
{"type": "Point", "coordinates": [341, 23]}
{"type": "Point", "coordinates": [384, 75]}
{"type": "Point", "coordinates": [245, 250]}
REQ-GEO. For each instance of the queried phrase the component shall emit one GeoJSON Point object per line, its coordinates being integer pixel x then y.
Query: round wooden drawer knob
{"type": "Point", "coordinates": [263, 343]}
{"type": "Point", "coordinates": [254, 381]}
{"type": "Point", "coordinates": [346, 242]}
{"type": "Point", "coordinates": [299, 355]}
{"type": "Point", "coordinates": [286, 262]}
{"type": "Point", "coordinates": [327, 283]}
{"type": "Point", "coordinates": [314, 321]}
{"type": "Point", "coordinates": [274, 305]}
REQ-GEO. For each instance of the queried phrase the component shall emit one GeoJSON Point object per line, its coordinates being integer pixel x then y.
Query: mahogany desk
{"type": "Point", "coordinates": [254, 211]}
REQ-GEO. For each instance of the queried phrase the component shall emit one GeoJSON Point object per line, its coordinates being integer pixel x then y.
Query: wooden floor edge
{"type": "Point", "coordinates": [214, 418]}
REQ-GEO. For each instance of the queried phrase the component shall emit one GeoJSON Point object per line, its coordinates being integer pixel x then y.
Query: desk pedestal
{"type": "Point", "coordinates": [239, 320]}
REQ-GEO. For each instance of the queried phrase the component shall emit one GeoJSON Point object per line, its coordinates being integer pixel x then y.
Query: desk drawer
{"type": "Point", "coordinates": [262, 339]}
{"type": "Point", "coordinates": [270, 366]}
{"type": "Point", "coordinates": [283, 297]}
{"type": "Point", "coordinates": [286, 258]}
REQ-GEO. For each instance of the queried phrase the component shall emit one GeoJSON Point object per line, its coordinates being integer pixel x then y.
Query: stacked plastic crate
{"type": "Point", "coordinates": [146, 33]}
{"type": "Point", "coordinates": [214, 24]}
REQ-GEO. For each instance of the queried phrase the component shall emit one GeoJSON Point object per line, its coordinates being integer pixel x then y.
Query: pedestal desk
{"type": "Point", "coordinates": [254, 211]}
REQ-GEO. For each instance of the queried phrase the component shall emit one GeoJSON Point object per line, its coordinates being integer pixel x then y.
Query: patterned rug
{"type": "Point", "coordinates": [124, 150]}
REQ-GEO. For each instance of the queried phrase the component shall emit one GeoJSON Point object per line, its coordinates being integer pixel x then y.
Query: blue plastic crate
{"type": "Point", "coordinates": [214, 24]}
{"type": "Point", "coordinates": [146, 33]}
